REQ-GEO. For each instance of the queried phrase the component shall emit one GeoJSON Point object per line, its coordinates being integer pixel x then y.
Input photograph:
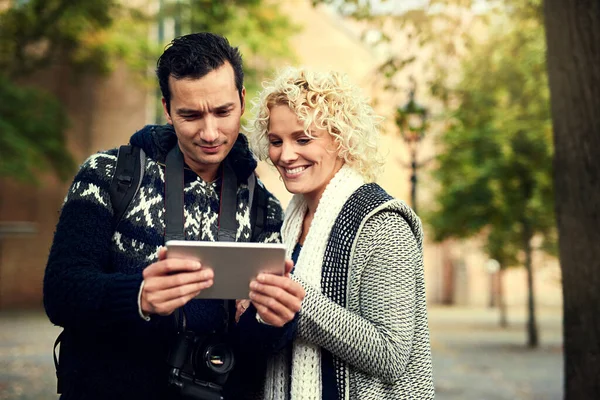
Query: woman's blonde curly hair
{"type": "Point", "coordinates": [330, 102]}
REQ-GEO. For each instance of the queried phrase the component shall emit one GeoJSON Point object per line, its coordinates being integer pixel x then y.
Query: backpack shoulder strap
{"type": "Point", "coordinates": [59, 382]}
{"type": "Point", "coordinates": [126, 180]}
{"type": "Point", "coordinates": [125, 183]}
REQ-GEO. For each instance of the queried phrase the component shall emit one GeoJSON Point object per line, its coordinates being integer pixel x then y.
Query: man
{"type": "Point", "coordinates": [112, 288]}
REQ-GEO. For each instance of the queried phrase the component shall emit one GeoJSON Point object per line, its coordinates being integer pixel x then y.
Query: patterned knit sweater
{"type": "Point", "coordinates": [362, 267]}
{"type": "Point", "coordinates": [94, 273]}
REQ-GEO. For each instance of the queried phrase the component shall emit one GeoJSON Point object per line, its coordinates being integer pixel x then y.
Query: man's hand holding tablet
{"type": "Point", "coordinates": [241, 270]}
{"type": "Point", "coordinates": [171, 283]}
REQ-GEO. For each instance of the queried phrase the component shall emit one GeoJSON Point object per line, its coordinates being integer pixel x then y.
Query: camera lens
{"type": "Point", "coordinates": [216, 357]}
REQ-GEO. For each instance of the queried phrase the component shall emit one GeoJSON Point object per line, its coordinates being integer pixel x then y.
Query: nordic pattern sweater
{"type": "Point", "coordinates": [94, 273]}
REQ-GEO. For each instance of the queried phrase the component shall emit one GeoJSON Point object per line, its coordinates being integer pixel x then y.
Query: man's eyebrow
{"type": "Point", "coordinates": [225, 106]}
{"type": "Point", "coordinates": [194, 111]}
{"type": "Point", "coordinates": [187, 111]}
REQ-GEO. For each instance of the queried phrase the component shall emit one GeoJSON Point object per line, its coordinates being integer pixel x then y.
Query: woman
{"type": "Point", "coordinates": [362, 331]}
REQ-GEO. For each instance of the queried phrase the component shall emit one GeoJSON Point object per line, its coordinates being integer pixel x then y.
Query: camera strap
{"type": "Point", "coordinates": [174, 208]}
{"type": "Point", "coordinates": [174, 195]}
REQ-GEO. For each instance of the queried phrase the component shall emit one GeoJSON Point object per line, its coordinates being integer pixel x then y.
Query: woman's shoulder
{"type": "Point", "coordinates": [374, 199]}
{"type": "Point", "coordinates": [392, 216]}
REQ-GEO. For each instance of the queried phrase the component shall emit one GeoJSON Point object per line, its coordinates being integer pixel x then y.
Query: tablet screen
{"type": "Point", "coordinates": [234, 264]}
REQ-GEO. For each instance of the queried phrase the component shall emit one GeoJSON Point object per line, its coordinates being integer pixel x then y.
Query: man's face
{"type": "Point", "coordinates": [206, 116]}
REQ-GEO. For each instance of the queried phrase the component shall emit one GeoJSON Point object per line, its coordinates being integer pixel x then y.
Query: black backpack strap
{"type": "Point", "coordinates": [126, 180]}
{"type": "Point", "coordinates": [258, 209]}
{"type": "Point", "coordinates": [125, 183]}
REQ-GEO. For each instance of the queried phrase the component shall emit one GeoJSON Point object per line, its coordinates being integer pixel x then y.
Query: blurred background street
{"type": "Point", "coordinates": [474, 359]}
{"type": "Point", "coordinates": [469, 136]}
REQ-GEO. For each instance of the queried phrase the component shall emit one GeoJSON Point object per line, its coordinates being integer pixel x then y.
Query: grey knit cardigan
{"type": "Point", "coordinates": [371, 313]}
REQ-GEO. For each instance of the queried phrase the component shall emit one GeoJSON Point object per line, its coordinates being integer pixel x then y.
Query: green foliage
{"type": "Point", "coordinates": [357, 9]}
{"type": "Point", "coordinates": [31, 134]}
{"type": "Point", "coordinates": [39, 33]}
{"type": "Point", "coordinates": [495, 172]}
{"type": "Point", "coordinates": [91, 36]}
{"type": "Point", "coordinates": [42, 34]}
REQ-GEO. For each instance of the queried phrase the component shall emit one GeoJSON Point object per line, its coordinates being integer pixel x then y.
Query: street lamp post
{"type": "Point", "coordinates": [411, 120]}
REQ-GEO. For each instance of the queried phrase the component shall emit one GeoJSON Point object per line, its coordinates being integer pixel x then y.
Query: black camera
{"type": "Point", "coordinates": [199, 366]}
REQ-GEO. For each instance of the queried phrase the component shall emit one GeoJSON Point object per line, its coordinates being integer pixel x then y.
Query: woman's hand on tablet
{"type": "Point", "coordinates": [171, 283]}
{"type": "Point", "coordinates": [240, 307]}
{"type": "Point", "coordinates": [277, 298]}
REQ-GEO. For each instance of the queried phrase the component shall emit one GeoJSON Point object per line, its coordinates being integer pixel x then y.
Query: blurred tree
{"type": "Point", "coordinates": [439, 34]}
{"type": "Point", "coordinates": [495, 175]}
{"type": "Point", "coordinates": [41, 34]}
{"type": "Point", "coordinates": [24, 114]}
{"type": "Point", "coordinates": [90, 36]}
{"type": "Point", "coordinates": [573, 32]}
{"type": "Point", "coordinates": [496, 166]}
{"type": "Point", "coordinates": [257, 27]}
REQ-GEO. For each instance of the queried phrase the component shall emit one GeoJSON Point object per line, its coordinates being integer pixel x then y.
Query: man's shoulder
{"type": "Point", "coordinates": [101, 158]}
{"type": "Point", "coordinates": [100, 164]}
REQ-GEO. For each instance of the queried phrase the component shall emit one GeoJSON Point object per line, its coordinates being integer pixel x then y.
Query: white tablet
{"type": "Point", "coordinates": [234, 264]}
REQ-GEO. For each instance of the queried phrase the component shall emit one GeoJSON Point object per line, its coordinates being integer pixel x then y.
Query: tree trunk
{"type": "Point", "coordinates": [573, 36]}
{"type": "Point", "coordinates": [493, 296]}
{"type": "Point", "coordinates": [500, 298]}
{"type": "Point", "coordinates": [532, 329]}
{"type": "Point", "coordinates": [447, 275]}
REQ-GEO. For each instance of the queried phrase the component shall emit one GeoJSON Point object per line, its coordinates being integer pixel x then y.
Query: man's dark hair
{"type": "Point", "coordinates": [194, 56]}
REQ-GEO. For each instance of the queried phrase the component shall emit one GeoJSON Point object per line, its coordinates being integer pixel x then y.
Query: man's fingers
{"type": "Point", "coordinates": [168, 307]}
{"type": "Point", "coordinates": [162, 253]}
{"type": "Point", "coordinates": [171, 266]}
{"type": "Point", "coordinates": [165, 282]}
{"type": "Point", "coordinates": [164, 296]}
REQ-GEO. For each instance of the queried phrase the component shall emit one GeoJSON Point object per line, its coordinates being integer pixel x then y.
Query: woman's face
{"type": "Point", "coordinates": [306, 164]}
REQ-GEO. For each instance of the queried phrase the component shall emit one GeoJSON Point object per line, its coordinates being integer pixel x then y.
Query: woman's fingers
{"type": "Point", "coordinates": [268, 307]}
{"type": "Point", "coordinates": [269, 282]}
{"type": "Point", "coordinates": [269, 317]}
{"type": "Point", "coordinates": [240, 307]}
{"type": "Point", "coordinates": [277, 299]}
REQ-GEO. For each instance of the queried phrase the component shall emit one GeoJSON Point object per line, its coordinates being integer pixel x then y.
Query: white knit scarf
{"type": "Point", "coordinates": [306, 357]}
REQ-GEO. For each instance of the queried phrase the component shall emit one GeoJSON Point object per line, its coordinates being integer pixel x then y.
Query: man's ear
{"type": "Point", "coordinates": [166, 111]}
{"type": "Point", "coordinates": [243, 99]}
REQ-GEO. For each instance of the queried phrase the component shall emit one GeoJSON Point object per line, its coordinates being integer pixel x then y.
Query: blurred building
{"type": "Point", "coordinates": [105, 111]}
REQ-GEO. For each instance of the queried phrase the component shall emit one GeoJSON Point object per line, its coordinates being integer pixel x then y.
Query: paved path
{"type": "Point", "coordinates": [473, 358]}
